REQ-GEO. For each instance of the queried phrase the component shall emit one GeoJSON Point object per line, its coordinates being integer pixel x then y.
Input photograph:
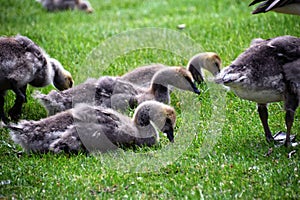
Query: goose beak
{"type": "Point", "coordinates": [168, 130]}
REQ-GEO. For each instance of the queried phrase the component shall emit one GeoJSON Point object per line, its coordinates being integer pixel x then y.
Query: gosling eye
{"type": "Point", "coordinates": [70, 81]}
{"type": "Point", "coordinates": [217, 65]}
{"type": "Point", "coordinates": [83, 6]}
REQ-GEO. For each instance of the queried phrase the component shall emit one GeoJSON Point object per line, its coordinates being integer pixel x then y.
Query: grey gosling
{"type": "Point", "coordinates": [23, 62]}
{"type": "Point", "coordinates": [268, 71]}
{"type": "Point", "coordinates": [209, 61]}
{"type": "Point", "coordinates": [280, 6]}
{"type": "Point", "coordinates": [95, 128]}
{"type": "Point", "coordinates": [55, 5]}
{"type": "Point", "coordinates": [118, 94]}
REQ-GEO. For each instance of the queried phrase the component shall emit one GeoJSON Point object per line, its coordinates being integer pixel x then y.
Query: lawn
{"type": "Point", "coordinates": [219, 150]}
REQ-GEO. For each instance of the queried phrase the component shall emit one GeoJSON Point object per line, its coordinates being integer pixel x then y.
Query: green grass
{"type": "Point", "coordinates": [235, 167]}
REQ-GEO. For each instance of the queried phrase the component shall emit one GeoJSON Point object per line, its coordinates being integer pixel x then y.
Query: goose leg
{"type": "Point", "coordinates": [289, 120]}
{"type": "Point", "coordinates": [2, 115]}
{"type": "Point", "coordinates": [16, 110]}
{"type": "Point", "coordinates": [291, 105]}
{"type": "Point", "coordinates": [263, 115]}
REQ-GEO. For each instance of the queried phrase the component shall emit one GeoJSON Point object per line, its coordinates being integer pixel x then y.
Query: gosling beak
{"type": "Point", "coordinates": [170, 135]}
{"type": "Point", "coordinates": [217, 72]}
{"type": "Point", "coordinates": [196, 90]}
{"type": "Point", "coordinates": [90, 10]}
{"type": "Point", "coordinates": [71, 83]}
{"type": "Point", "coordinates": [168, 130]}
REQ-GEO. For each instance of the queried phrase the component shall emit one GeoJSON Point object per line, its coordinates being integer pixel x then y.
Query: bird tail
{"type": "Point", "coordinates": [42, 99]}
{"type": "Point", "coordinates": [16, 134]}
{"type": "Point", "coordinates": [261, 8]}
{"type": "Point", "coordinates": [255, 2]}
{"type": "Point", "coordinates": [29, 140]}
{"type": "Point", "coordinates": [14, 127]}
{"type": "Point", "coordinates": [38, 95]}
{"type": "Point", "coordinates": [50, 101]}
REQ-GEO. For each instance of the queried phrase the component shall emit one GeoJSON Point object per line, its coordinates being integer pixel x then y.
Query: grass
{"type": "Point", "coordinates": [232, 166]}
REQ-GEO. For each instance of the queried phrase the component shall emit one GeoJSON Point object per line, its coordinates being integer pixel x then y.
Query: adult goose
{"type": "Point", "coordinates": [281, 6]}
{"type": "Point", "coordinates": [55, 5]}
{"type": "Point", "coordinates": [209, 61]}
{"type": "Point", "coordinates": [22, 62]}
{"type": "Point", "coordinates": [115, 93]}
{"type": "Point", "coordinates": [92, 128]}
{"type": "Point", "coordinates": [268, 71]}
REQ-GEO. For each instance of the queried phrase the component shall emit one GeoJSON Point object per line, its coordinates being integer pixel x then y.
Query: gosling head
{"type": "Point", "coordinates": [62, 79]}
{"type": "Point", "coordinates": [84, 5]}
{"type": "Point", "coordinates": [157, 114]}
{"type": "Point", "coordinates": [178, 77]}
{"type": "Point", "coordinates": [208, 60]}
{"type": "Point", "coordinates": [170, 121]}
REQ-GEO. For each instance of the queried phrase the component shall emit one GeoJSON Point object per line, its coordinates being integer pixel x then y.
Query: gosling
{"type": "Point", "coordinates": [91, 128]}
{"type": "Point", "coordinates": [118, 94]}
{"type": "Point", "coordinates": [268, 71]}
{"type": "Point", "coordinates": [55, 5]}
{"type": "Point", "coordinates": [209, 61]}
{"type": "Point", "coordinates": [23, 62]}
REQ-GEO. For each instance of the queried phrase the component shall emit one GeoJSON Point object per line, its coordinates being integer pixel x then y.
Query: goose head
{"type": "Point", "coordinates": [62, 79]}
{"type": "Point", "coordinates": [160, 115]}
{"type": "Point", "coordinates": [209, 61]}
{"type": "Point", "coordinates": [178, 77]}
